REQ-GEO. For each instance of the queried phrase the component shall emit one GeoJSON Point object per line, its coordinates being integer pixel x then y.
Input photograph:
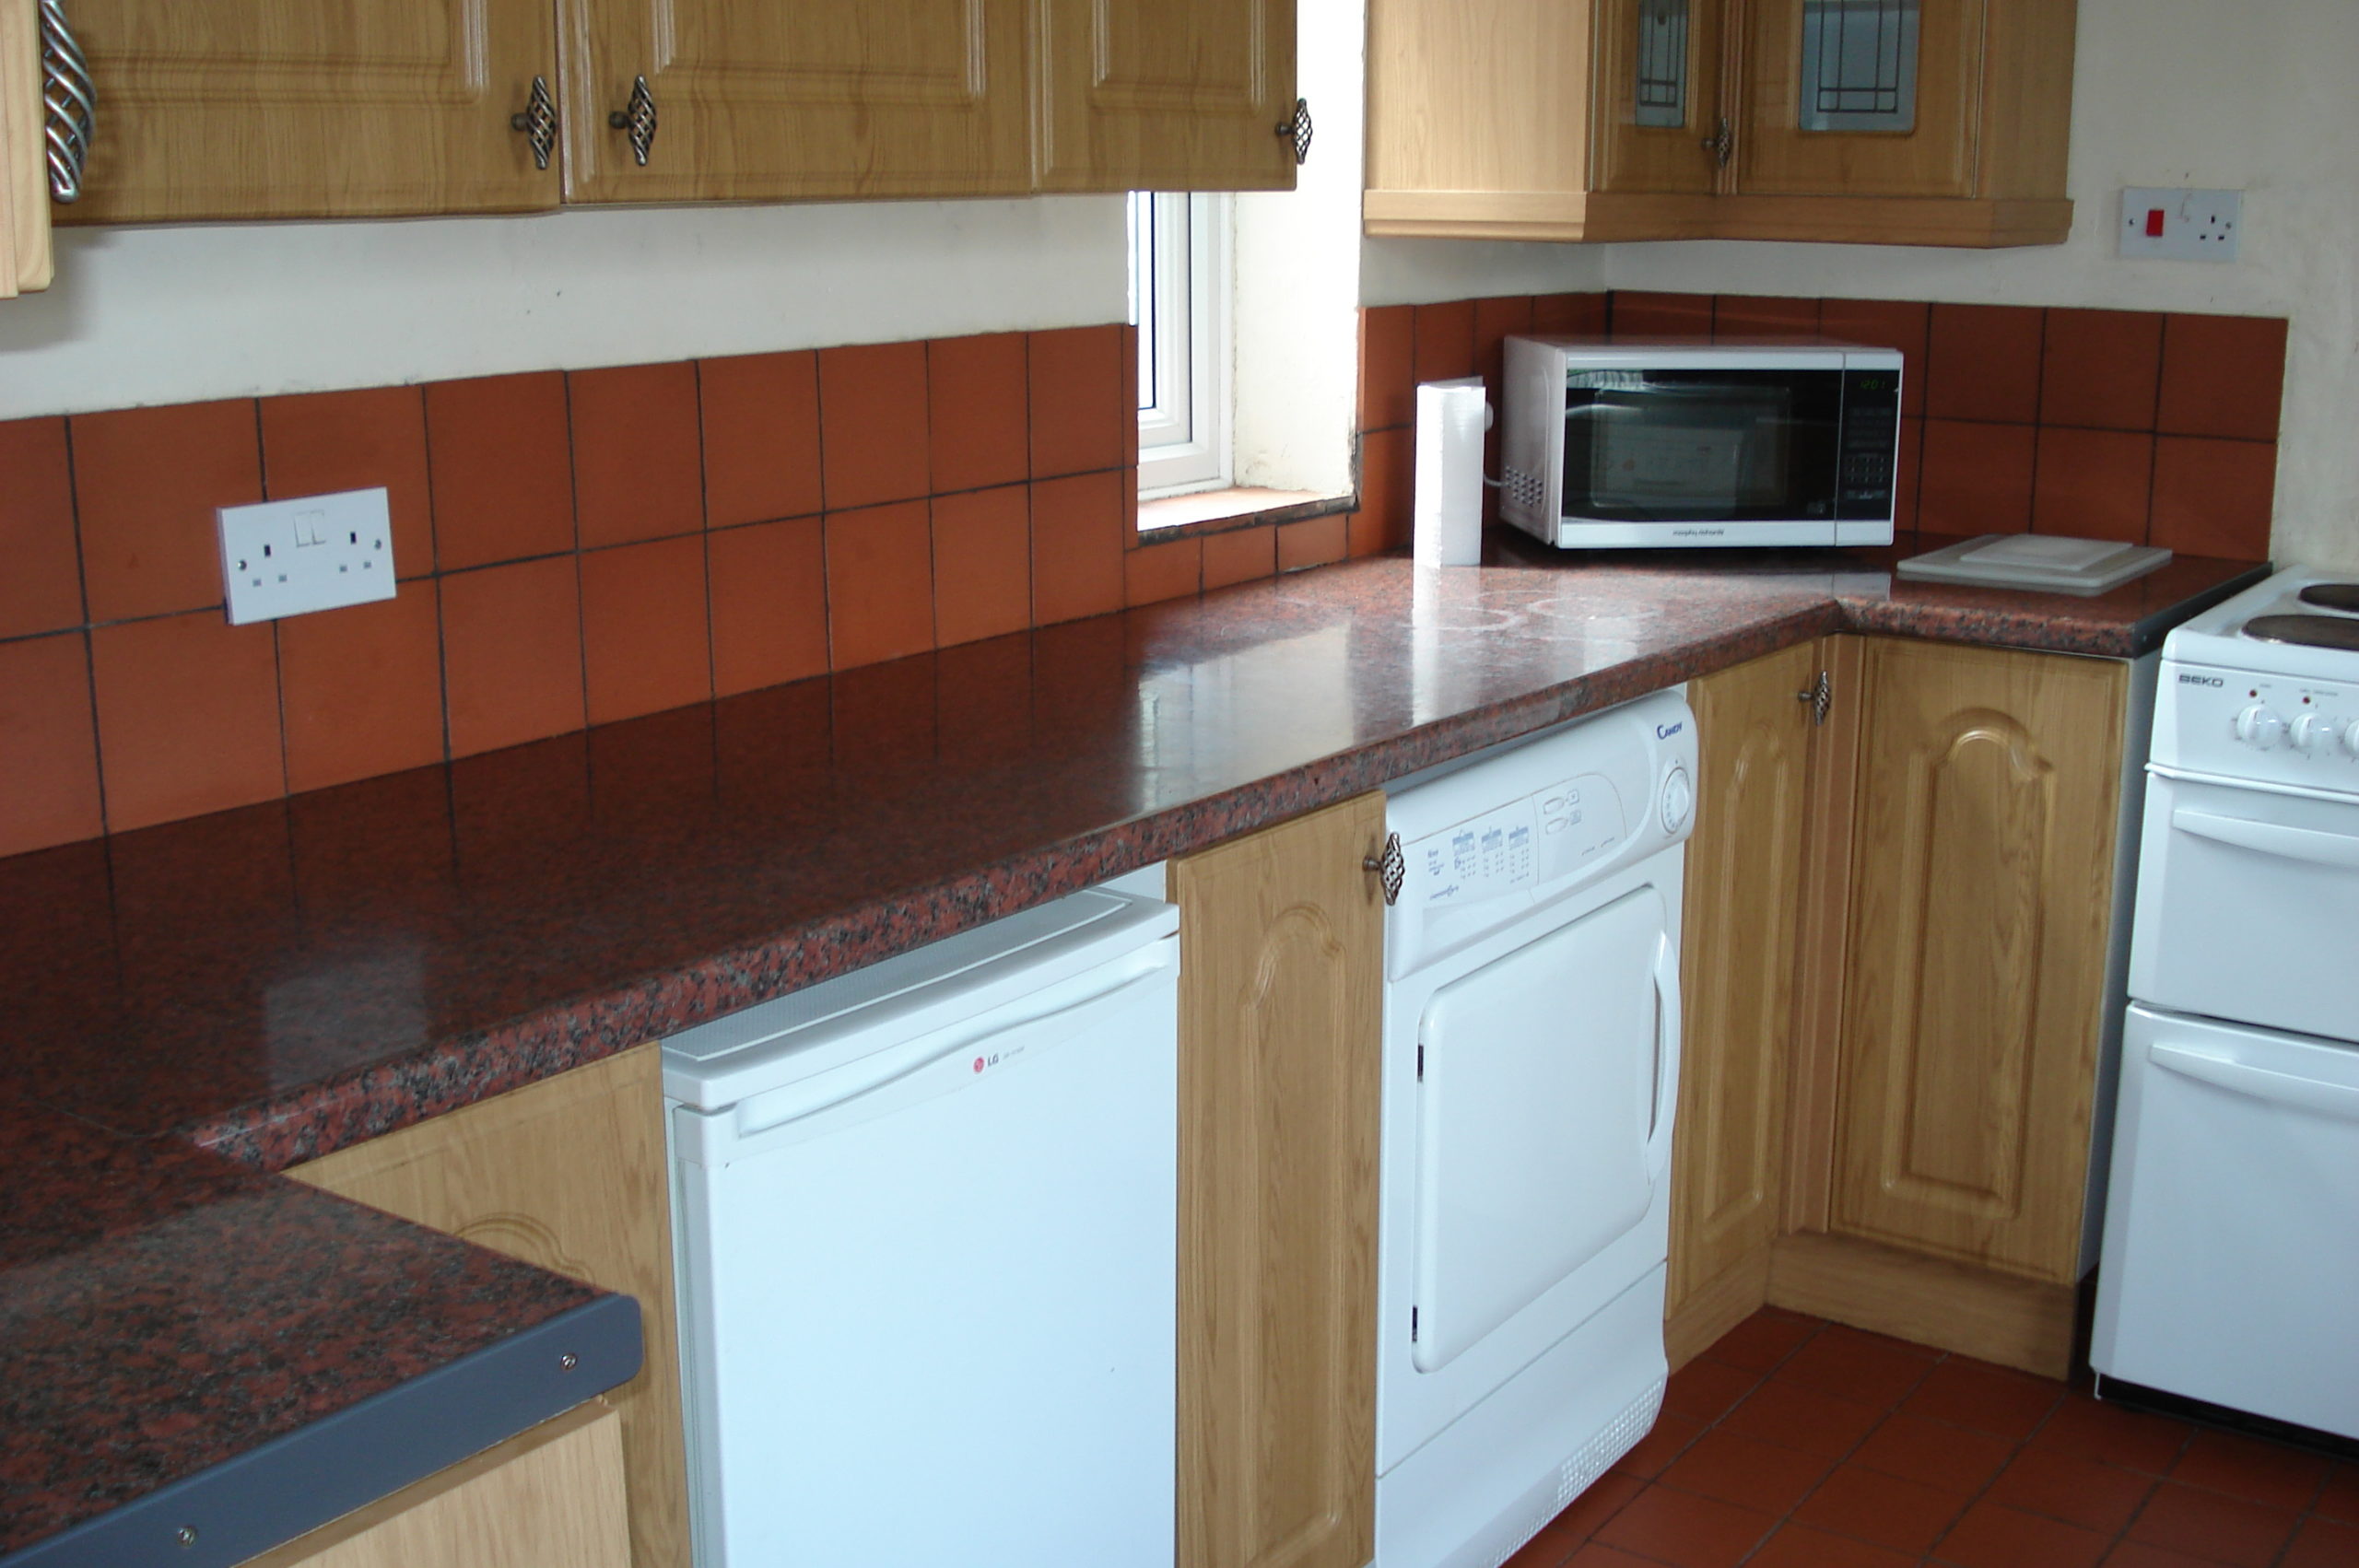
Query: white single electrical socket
{"type": "Point", "coordinates": [312, 553]}
{"type": "Point", "coordinates": [2180, 225]}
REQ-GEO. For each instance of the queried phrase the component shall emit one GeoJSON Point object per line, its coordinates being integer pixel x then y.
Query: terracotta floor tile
{"type": "Point", "coordinates": [2212, 1524]}
{"type": "Point", "coordinates": [1933, 1453]}
{"type": "Point", "coordinates": [1851, 1366]}
{"type": "Point", "coordinates": [2323, 1543]}
{"type": "Point", "coordinates": [2077, 1490]}
{"type": "Point", "coordinates": [1563, 1534]}
{"type": "Point", "coordinates": [1799, 1546]}
{"type": "Point", "coordinates": [1657, 1449]}
{"type": "Point", "coordinates": [1705, 1390]}
{"type": "Point", "coordinates": [1686, 1531]}
{"type": "Point", "coordinates": [1596, 1554]}
{"type": "Point", "coordinates": [2138, 1554]}
{"type": "Point", "coordinates": [1869, 1506]}
{"type": "Point", "coordinates": [2340, 1498]}
{"type": "Point", "coordinates": [2253, 1468]}
{"type": "Point", "coordinates": [1760, 1343]}
{"type": "Point", "coordinates": [1976, 1394]}
{"type": "Point", "coordinates": [1803, 1418]}
{"type": "Point", "coordinates": [1992, 1536]}
{"type": "Point", "coordinates": [1746, 1471]}
{"type": "Point", "coordinates": [2113, 1434]}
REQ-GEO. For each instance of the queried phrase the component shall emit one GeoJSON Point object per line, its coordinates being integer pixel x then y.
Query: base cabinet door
{"type": "Point", "coordinates": [1280, 1007]}
{"type": "Point", "coordinates": [567, 1174]}
{"type": "Point", "coordinates": [1981, 909]}
{"type": "Point", "coordinates": [1739, 951]}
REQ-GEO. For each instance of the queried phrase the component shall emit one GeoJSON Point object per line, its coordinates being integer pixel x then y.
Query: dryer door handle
{"type": "Point", "coordinates": [1666, 1057]}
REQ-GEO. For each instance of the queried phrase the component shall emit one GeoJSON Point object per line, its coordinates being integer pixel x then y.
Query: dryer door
{"type": "Point", "coordinates": [1544, 1109]}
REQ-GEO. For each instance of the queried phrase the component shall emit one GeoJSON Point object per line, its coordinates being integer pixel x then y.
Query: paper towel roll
{"type": "Point", "coordinates": [1447, 520]}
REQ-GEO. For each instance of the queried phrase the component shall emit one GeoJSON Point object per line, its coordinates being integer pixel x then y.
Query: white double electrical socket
{"type": "Point", "coordinates": [2180, 225]}
{"type": "Point", "coordinates": [313, 552]}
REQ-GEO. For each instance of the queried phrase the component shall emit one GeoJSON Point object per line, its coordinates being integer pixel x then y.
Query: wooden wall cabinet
{"type": "Point", "coordinates": [548, 1498]}
{"type": "Point", "coordinates": [1282, 940]}
{"type": "Point", "coordinates": [569, 1174]}
{"type": "Point", "coordinates": [24, 182]}
{"type": "Point", "coordinates": [236, 109]}
{"type": "Point", "coordinates": [1617, 120]}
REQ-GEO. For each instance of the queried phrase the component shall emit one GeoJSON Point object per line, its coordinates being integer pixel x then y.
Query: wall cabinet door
{"type": "Point", "coordinates": [1861, 98]}
{"type": "Point", "coordinates": [226, 108]}
{"type": "Point", "coordinates": [843, 98]}
{"type": "Point", "coordinates": [1980, 905]}
{"type": "Point", "coordinates": [569, 1174]}
{"type": "Point", "coordinates": [1154, 95]}
{"type": "Point", "coordinates": [1658, 96]}
{"type": "Point", "coordinates": [1282, 939]}
{"type": "Point", "coordinates": [24, 182]}
{"type": "Point", "coordinates": [1739, 951]}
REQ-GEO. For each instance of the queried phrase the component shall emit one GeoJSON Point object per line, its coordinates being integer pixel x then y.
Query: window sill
{"type": "Point", "coordinates": [1217, 511]}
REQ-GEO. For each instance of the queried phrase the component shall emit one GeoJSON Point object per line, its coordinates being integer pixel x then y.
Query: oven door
{"type": "Point", "coordinates": [2248, 902]}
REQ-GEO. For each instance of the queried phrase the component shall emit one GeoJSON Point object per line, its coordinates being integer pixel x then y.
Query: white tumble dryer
{"type": "Point", "coordinates": [1531, 1067]}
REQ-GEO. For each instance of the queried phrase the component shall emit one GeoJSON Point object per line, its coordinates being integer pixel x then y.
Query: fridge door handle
{"type": "Point", "coordinates": [1667, 1028]}
{"type": "Point", "coordinates": [2270, 837]}
{"type": "Point", "coordinates": [2336, 1100]}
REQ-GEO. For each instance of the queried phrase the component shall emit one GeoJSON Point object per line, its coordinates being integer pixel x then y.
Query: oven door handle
{"type": "Point", "coordinates": [2336, 1100]}
{"type": "Point", "coordinates": [2270, 837]}
{"type": "Point", "coordinates": [1667, 1027]}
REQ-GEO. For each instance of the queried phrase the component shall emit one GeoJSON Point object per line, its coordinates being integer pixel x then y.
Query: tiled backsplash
{"type": "Point", "coordinates": [579, 547]}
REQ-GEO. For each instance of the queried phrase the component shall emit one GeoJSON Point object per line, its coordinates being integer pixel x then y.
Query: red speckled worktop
{"type": "Point", "coordinates": [270, 984]}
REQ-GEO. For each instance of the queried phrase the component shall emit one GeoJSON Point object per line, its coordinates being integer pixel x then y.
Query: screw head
{"type": "Point", "coordinates": [185, 1535]}
{"type": "Point", "coordinates": [567, 1362]}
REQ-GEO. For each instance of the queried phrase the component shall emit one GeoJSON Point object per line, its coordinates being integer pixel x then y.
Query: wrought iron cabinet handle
{"type": "Point", "coordinates": [68, 103]}
{"type": "Point", "coordinates": [537, 120]}
{"type": "Point", "coordinates": [638, 119]}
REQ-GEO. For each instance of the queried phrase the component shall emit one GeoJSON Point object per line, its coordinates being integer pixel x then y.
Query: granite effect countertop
{"type": "Point", "coordinates": [195, 1005]}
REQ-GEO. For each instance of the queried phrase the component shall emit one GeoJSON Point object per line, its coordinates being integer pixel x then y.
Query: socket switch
{"type": "Point", "coordinates": [312, 553]}
{"type": "Point", "coordinates": [2180, 225]}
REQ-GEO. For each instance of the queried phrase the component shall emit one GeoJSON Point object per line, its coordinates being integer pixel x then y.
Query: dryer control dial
{"type": "Point", "coordinates": [1678, 799]}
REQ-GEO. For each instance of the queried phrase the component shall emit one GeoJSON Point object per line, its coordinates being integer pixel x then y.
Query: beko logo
{"type": "Point", "coordinates": [1665, 732]}
{"type": "Point", "coordinates": [2201, 681]}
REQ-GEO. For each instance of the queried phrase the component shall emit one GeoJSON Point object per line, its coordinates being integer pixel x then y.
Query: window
{"type": "Point", "coordinates": [1180, 270]}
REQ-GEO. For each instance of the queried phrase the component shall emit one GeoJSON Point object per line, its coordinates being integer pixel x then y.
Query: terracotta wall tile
{"type": "Point", "coordinates": [770, 604]}
{"type": "Point", "coordinates": [51, 749]}
{"type": "Point", "coordinates": [1910, 474]}
{"type": "Point", "coordinates": [1571, 315]}
{"type": "Point", "coordinates": [637, 453]}
{"type": "Point", "coordinates": [1388, 367]}
{"type": "Point", "coordinates": [2214, 498]}
{"type": "Point", "coordinates": [762, 436]}
{"type": "Point", "coordinates": [503, 468]}
{"type": "Point", "coordinates": [1130, 401]}
{"type": "Point", "coordinates": [2101, 369]}
{"type": "Point", "coordinates": [871, 424]}
{"type": "Point", "coordinates": [1078, 415]}
{"type": "Point", "coordinates": [1761, 315]}
{"type": "Point", "coordinates": [2093, 484]}
{"type": "Point", "coordinates": [1240, 554]}
{"type": "Point", "coordinates": [978, 389]}
{"type": "Point", "coordinates": [1983, 363]}
{"type": "Point", "coordinates": [2223, 376]}
{"type": "Point", "coordinates": [318, 443]}
{"type": "Point", "coordinates": [880, 584]}
{"type": "Point", "coordinates": [982, 564]}
{"type": "Point", "coordinates": [1976, 478]}
{"type": "Point", "coordinates": [511, 654]}
{"type": "Point", "coordinates": [1172, 570]}
{"type": "Point", "coordinates": [645, 645]}
{"type": "Point", "coordinates": [188, 718]}
{"type": "Point", "coordinates": [1495, 322]}
{"type": "Point", "coordinates": [146, 482]}
{"type": "Point", "coordinates": [1381, 522]}
{"type": "Point", "coordinates": [1314, 542]}
{"type": "Point", "coordinates": [1652, 315]}
{"type": "Point", "coordinates": [1445, 342]}
{"type": "Point", "coordinates": [1078, 531]}
{"type": "Point", "coordinates": [42, 589]}
{"type": "Point", "coordinates": [361, 689]}
{"type": "Point", "coordinates": [1885, 323]}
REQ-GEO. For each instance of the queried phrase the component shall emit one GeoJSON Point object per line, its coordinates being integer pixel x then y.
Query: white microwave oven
{"type": "Point", "coordinates": [1633, 444]}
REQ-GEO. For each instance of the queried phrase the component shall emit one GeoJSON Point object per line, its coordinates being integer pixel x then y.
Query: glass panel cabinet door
{"type": "Point", "coordinates": [1657, 105]}
{"type": "Point", "coordinates": [1861, 98]}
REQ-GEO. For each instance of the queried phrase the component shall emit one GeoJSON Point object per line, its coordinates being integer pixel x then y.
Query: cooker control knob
{"type": "Point", "coordinates": [1678, 799]}
{"type": "Point", "coordinates": [2259, 728]}
{"type": "Point", "coordinates": [2351, 738]}
{"type": "Point", "coordinates": [2314, 732]}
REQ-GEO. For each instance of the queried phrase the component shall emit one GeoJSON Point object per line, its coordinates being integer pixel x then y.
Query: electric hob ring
{"type": "Point", "coordinates": [2333, 596]}
{"type": "Point", "coordinates": [2307, 631]}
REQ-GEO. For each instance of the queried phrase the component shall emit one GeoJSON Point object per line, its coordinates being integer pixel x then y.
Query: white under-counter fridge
{"type": "Point", "coordinates": [925, 1221]}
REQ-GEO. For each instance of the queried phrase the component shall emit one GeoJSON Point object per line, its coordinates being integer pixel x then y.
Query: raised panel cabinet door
{"type": "Point", "coordinates": [569, 1174]}
{"type": "Point", "coordinates": [1737, 977]}
{"type": "Point", "coordinates": [1281, 945]}
{"type": "Point", "coordinates": [1165, 94]}
{"type": "Point", "coordinates": [1657, 95]}
{"type": "Point", "coordinates": [1982, 877]}
{"type": "Point", "coordinates": [229, 109]}
{"type": "Point", "coordinates": [1914, 64]}
{"type": "Point", "coordinates": [748, 100]}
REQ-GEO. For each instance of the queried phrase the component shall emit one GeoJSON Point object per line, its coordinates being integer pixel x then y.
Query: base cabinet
{"type": "Point", "coordinates": [1281, 937]}
{"type": "Point", "coordinates": [567, 1174]}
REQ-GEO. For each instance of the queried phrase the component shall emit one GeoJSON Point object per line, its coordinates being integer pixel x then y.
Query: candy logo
{"type": "Point", "coordinates": [1665, 732]}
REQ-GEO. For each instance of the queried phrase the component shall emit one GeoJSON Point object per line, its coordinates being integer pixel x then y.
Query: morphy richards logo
{"type": "Point", "coordinates": [2187, 680]}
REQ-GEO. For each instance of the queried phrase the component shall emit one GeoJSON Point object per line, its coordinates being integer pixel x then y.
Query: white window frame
{"type": "Point", "coordinates": [1182, 276]}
